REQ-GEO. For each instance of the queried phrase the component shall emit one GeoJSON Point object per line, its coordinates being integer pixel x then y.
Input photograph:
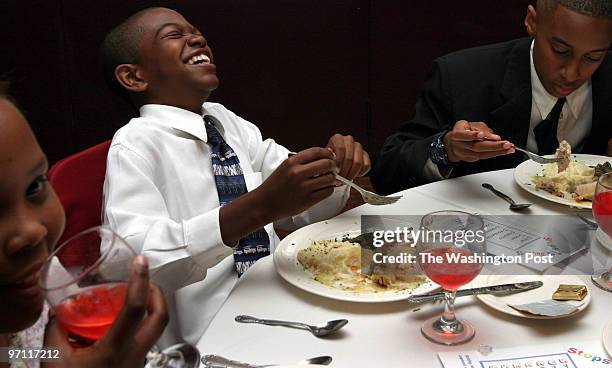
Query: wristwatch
{"type": "Point", "coordinates": [437, 151]}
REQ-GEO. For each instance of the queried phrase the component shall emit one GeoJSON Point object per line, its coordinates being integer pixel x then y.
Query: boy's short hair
{"type": "Point", "coordinates": [121, 46]}
{"type": "Point", "coordinates": [5, 86]}
{"type": "Point", "coordinates": [593, 8]}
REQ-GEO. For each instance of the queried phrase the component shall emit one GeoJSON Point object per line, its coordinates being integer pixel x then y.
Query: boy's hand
{"type": "Point", "coordinates": [135, 330]}
{"type": "Point", "coordinates": [609, 152]}
{"type": "Point", "coordinates": [466, 142]}
{"type": "Point", "coordinates": [301, 181]}
{"type": "Point", "coordinates": [351, 158]}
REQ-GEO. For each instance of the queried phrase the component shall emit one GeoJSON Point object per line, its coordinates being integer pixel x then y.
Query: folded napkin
{"type": "Point", "coordinates": [550, 308]}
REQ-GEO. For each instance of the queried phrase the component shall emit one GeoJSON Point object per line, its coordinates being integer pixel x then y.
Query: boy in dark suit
{"type": "Point", "coordinates": [194, 186]}
{"type": "Point", "coordinates": [532, 92]}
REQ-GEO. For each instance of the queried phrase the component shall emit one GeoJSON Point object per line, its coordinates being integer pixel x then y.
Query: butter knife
{"type": "Point", "coordinates": [504, 289]}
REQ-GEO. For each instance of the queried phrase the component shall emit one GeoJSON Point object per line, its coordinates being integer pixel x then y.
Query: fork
{"type": "Point", "coordinates": [217, 361]}
{"type": "Point", "coordinates": [537, 158]}
{"type": "Point", "coordinates": [370, 197]}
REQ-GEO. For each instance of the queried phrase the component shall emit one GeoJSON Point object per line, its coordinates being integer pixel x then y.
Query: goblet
{"type": "Point", "coordinates": [450, 248]}
{"type": "Point", "coordinates": [88, 290]}
{"type": "Point", "coordinates": [602, 211]}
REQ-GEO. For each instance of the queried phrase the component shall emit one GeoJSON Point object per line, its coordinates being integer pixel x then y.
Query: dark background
{"type": "Point", "coordinates": [299, 69]}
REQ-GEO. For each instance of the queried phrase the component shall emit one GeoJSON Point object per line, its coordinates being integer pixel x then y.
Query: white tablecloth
{"type": "Point", "coordinates": [388, 334]}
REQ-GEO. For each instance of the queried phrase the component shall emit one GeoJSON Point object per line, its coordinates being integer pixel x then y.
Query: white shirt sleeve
{"type": "Point", "coordinates": [179, 250]}
{"type": "Point", "coordinates": [431, 172]}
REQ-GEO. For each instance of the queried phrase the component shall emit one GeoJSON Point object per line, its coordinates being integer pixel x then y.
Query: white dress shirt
{"type": "Point", "coordinates": [574, 124]}
{"type": "Point", "coordinates": [160, 196]}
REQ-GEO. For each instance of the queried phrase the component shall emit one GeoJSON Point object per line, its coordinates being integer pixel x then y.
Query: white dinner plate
{"type": "Point", "coordinates": [607, 338]}
{"type": "Point", "coordinates": [545, 292]}
{"type": "Point", "coordinates": [288, 267]}
{"type": "Point", "coordinates": [603, 238]}
{"type": "Point", "coordinates": [528, 169]}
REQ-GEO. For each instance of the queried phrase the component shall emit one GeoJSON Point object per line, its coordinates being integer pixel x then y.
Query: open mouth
{"type": "Point", "coordinates": [198, 59]}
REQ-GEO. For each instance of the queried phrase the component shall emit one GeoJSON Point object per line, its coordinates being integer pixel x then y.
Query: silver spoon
{"type": "Point", "coordinates": [513, 205]}
{"type": "Point", "coordinates": [323, 329]}
{"type": "Point", "coordinates": [217, 361]}
{"type": "Point", "coordinates": [176, 356]}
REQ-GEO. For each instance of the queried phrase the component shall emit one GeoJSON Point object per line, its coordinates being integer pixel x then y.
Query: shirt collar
{"type": "Point", "coordinates": [545, 101]}
{"type": "Point", "coordinates": [180, 119]}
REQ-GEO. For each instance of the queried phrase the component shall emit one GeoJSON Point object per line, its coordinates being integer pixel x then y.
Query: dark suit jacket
{"type": "Point", "coordinates": [490, 84]}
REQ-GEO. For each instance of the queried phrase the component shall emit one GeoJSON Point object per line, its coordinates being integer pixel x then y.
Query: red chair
{"type": "Point", "coordinates": [78, 181]}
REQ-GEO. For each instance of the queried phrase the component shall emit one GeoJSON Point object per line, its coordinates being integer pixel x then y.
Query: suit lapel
{"type": "Point", "coordinates": [511, 120]}
{"type": "Point", "coordinates": [602, 109]}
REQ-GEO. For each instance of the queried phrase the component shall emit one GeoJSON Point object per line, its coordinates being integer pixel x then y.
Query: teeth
{"type": "Point", "coordinates": [199, 59]}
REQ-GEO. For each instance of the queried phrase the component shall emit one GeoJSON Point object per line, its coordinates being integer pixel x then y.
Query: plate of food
{"type": "Point", "coordinates": [570, 182]}
{"type": "Point", "coordinates": [551, 284]}
{"type": "Point", "coordinates": [318, 259]}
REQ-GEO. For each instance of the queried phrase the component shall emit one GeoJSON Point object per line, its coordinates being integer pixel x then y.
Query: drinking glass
{"type": "Point", "coordinates": [446, 249]}
{"type": "Point", "coordinates": [87, 289]}
{"type": "Point", "coordinates": [602, 211]}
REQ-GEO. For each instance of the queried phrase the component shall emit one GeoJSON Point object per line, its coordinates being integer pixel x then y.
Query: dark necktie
{"type": "Point", "coordinates": [230, 185]}
{"type": "Point", "coordinates": [546, 132]}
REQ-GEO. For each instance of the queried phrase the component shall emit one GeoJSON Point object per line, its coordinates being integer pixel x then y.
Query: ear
{"type": "Point", "coordinates": [131, 78]}
{"type": "Point", "coordinates": [531, 20]}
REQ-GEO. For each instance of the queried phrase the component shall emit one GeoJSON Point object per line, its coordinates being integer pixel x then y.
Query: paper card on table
{"type": "Point", "coordinates": [580, 355]}
{"type": "Point", "coordinates": [557, 236]}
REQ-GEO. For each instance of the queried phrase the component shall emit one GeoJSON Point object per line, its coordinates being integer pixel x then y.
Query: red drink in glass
{"type": "Point", "coordinates": [450, 264]}
{"type": "Point", "coordinates": [602, 210]}
{"type": "Point", "coordinates": [454, 270]}
{"type": "Point", "coordinates": [87, 315]}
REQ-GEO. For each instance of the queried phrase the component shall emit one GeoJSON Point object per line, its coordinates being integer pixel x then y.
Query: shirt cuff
{"type": "Point", "coordinates": [431, 171]}
{"type": "Point", "coordinates": [203, 239]}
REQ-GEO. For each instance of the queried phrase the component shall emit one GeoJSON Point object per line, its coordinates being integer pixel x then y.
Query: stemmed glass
{"type": "Point", "coordinates": [446, 248]}
{"type": "Point", "coordinates": [87, 292]}
{"type": "Point", "coordinates": [602, 211]}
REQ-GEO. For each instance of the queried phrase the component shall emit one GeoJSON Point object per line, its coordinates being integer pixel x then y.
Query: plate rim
{"type": "Point", "coordinates": [607, 330]}
{"type": "Point", "coordinates": [601, 238]}
{"type": "Point", "coordinates": [528, 187]}
{"type": "Point", "coordinates": [321, 289]}
{"type": "Point", "coordinates": [487, 299]}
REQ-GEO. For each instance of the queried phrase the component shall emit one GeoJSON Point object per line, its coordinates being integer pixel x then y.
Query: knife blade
{"type": "Point", "coordinates": [503, 289]}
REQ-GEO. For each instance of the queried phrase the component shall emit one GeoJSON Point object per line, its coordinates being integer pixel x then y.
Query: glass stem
{"type": "Point", "coordinates": [448, 317]}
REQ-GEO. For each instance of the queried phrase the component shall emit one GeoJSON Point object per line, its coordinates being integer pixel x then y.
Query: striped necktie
{"type": "Point", "coordinates": [230, 185]}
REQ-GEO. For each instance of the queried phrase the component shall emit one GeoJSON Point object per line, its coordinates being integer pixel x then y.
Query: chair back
{"type": "Point", "coordinates": [78, 181]}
